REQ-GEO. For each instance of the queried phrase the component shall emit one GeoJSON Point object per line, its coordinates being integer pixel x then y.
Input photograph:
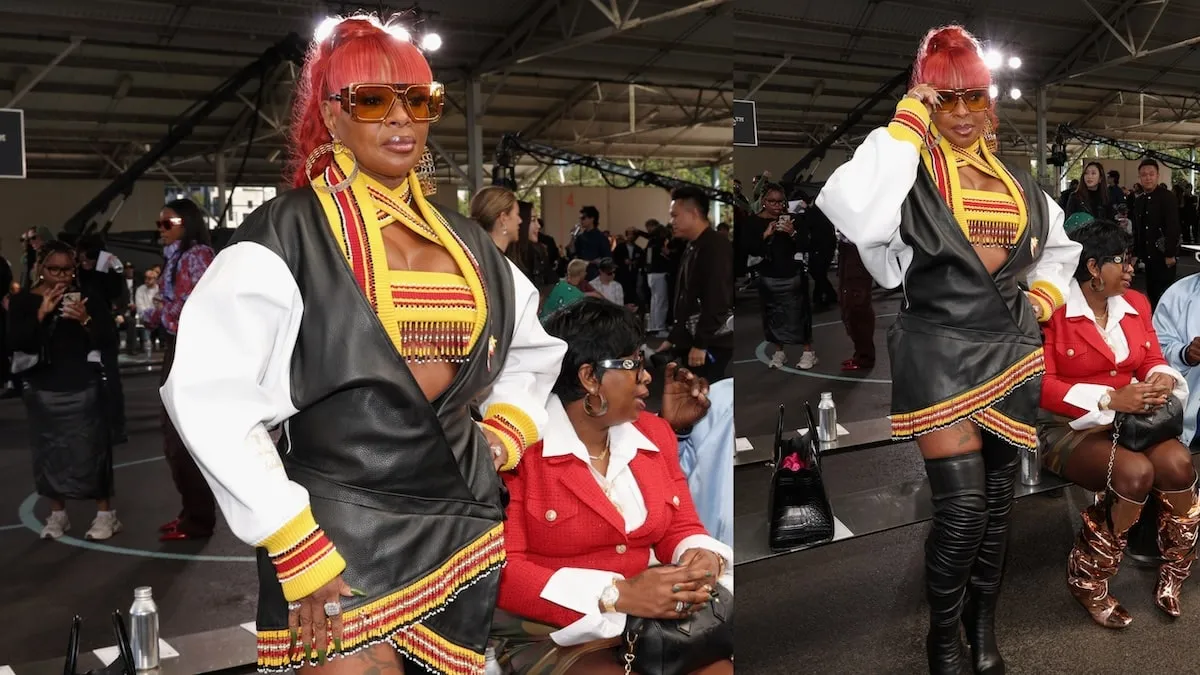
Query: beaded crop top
{"type": "Point", "coordinates": [431, 317]}
{"type": "Point", "coordinates": [990, 219]}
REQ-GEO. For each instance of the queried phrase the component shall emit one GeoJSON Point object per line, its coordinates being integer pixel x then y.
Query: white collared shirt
{"type": "Point", "coordinates": [1087, 396]}
{"type": "Point", "coordinates": [579, 589]}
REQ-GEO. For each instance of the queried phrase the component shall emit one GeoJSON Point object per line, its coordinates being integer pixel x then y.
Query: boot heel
{"type": "Point", "coordinates": [1178, 523]}
{"type": "Point", "coordinates": [1096, 557]}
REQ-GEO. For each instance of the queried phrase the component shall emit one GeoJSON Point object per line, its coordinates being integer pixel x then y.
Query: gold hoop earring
{"type": "Point", "coordinates": [592, 411]}
{"type": "Point", "coordinates": [1097, 288]}
{"type": "Point", "coordinates": [427, 174]}
{"type": "Point", "coordinates": [989, 135]}
{"type": "Point", "coordinates": [333, 148]}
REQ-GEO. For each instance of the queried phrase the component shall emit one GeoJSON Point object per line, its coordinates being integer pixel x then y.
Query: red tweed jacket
{"type": "Point", "coordinates": [1076, 353]}
{"type": "Point", "coordinates": [559, 517]}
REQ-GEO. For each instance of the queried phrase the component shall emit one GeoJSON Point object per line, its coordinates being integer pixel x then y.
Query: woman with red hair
{"type": "Point", "coordinates": [375, 328]}
{"type": "Point", "coordinates": [981, 254]}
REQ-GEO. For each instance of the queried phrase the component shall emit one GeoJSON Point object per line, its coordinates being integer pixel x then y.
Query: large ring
{"type": "Point", "coordinates": [333, 609]}
{"type": "Point", "coordinates": [293, 606]}
{"type": "Point", "coordinates": [680, 606]}
{"type": "Point", "coordinates": [1146, 407]}
{"type": "Point", "coordinates": [497, 451]}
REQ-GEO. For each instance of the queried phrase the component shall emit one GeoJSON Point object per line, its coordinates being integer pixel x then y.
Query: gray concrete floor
{"type": "Point", "coordinates": [49, 581]}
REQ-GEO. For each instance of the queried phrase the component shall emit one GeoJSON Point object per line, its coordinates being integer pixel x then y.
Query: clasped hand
{"type": "Point", "coordinates": [1142, 398]}
{"type": "Point", "coordinates": [660, 592]}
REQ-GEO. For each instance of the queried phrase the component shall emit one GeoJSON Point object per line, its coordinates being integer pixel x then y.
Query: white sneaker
{"type": "Point", "coordinates": [104, 525]}
{"type": "Point", "coordinates": [56, 525]}
{"type": "Point", "coordinates": [777, 359]}
{"type": "Point", "coordinates": [807, 360]}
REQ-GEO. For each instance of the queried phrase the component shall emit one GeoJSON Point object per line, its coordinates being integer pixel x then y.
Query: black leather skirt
{"type": "Point", "coordinates": [69, 437]}
{"type": "Point", "coordinates": [786, 310]}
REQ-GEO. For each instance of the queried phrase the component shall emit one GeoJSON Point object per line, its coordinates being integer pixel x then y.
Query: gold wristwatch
{"type": "Point", "coordinates": [609, 597]}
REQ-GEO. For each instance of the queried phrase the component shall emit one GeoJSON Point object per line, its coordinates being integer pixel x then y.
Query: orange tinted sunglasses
{"type": "Point", "coordinates": [369, 102]}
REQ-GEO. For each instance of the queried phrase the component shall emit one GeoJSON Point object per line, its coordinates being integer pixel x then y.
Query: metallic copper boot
{"type": "Point", "coordinates": [1097, 556]}
{"type": "Point", "coordinates": [1178, 522]}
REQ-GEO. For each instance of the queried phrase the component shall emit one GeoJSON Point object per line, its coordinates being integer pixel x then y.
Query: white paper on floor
{"type": "Point", "coordinates": [841, 431]}
{"type": "Point", "coordinates": [250, 627]}
{"type": "Point", "coordinates": [5, 670]}
{"type": "Point", "coordinates": [109, 654]}
{"type": "Point", "coordinates": [743, 445]}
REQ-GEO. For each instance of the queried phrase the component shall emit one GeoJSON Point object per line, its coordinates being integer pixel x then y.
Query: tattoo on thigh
{"type": "Point", "coordinates": [966, 435]}
{"type": "Point", "coordinates": [380, 660]}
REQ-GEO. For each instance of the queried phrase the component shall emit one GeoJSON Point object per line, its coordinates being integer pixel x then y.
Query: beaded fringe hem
{"type": "Point", "coordinates": [433, 660]}
{"type": "Point", "coordinates": [400, 611]}
{"type": "Point", "coordinates": [976, 405]}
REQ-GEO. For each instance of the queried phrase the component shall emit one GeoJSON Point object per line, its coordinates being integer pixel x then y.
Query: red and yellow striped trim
{"type": "Point", "coordinates": [397, 612]}
{"type": "Point", "coordinates": [436, 653]}
{"type": "Point", "coordinates": [304, 558]}
{"type": "Point", "coordinates": [514, 428]}
{"type": "Point", "coordinates": [427, 297]}
{"type": "Point", "coordinates": [946, 413]}
{"type": "Point", "coordinates": [1021, 435]}
{"type": "Point", "coordinates": [1048, 295]}
{"type": "Point", "coordinates": [910, 123]}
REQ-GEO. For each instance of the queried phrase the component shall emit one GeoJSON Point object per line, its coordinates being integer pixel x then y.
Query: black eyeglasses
{"type": "Point", "coordinates": [55, 269]}
{"type": "Point", "coordinates": [632, 365]}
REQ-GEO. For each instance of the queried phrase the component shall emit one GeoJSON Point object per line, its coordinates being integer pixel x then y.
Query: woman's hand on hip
{"type": "Point", "coordinates": [662, 592]}
{"type": "Point", "coordinates": [312, 622]}
{"type": "Point", "coordinates": [1138, 398]}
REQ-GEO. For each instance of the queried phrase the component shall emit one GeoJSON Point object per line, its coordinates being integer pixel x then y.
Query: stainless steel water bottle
{"type": "Point", "coordinates": [143, 629]}
{"type": "Point", "coordinates": [1031, 466]}
{"type": "Point", "coordinates": [826, 418]}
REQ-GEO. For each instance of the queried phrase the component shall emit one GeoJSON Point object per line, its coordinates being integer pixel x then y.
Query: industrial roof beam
{"type": "Point", "coordinates": [605, 33]}
{"type": "Point", "coordinates": [20, 93]}
{"type": "Point", "coordinates": [1082, 46]}
{"type": "Point", "coordinates": [516, 35]}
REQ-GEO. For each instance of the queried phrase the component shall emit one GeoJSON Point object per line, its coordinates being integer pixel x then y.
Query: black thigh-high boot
{"type": "Point", "coordinates": [959, 519]}
{"type": "Point", "coordinates": [1001, 463]}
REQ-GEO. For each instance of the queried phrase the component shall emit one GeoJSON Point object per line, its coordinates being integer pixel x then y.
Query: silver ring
{"type": "Point", "coordinates": [680, 606]}
{"type": "Point", "coordinates": [497, 450]}
{"type": "Point", "coordinates": [293, 606]}
{"type": "Point", "coordinates": [1146, 407]}
{"type": "Point", "coordinates": [333, 609]}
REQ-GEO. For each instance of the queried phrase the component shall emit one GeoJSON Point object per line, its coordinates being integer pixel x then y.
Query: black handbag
{"type": "Point", "coordinates": [123, 665]}
{"type": "Point", "coordinates": [1139, 433]}
{"type": "Point", "coordinates": [680, 646]}
{"type": "Point", "coordinates": [799, 508]}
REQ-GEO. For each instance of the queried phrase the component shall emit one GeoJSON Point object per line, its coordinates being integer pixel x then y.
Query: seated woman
{"type": "Point", "coordinates": [1103, 358]}
{"type": "Point", "coordinates": [596, 500]}
{"type": "Point", "coordinates": [569, 290]}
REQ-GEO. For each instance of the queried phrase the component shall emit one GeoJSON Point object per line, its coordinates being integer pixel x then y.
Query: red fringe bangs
{"type": "Point", "coordinates": [357, 51]}
{"type": "Point", "coordinates": [950, 58]}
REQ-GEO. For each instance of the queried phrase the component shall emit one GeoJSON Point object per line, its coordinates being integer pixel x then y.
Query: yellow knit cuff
{"type": "Point", "coordinates": [515, 429]}
{"type": "Point", "coordinates": [1044, 308]}
{"type": "Point", "coordinates": [1050, 292]}
{"type": "Point", "coordinates": [304, 558]}
{"type": "Point", "coordinates": [910, 123]}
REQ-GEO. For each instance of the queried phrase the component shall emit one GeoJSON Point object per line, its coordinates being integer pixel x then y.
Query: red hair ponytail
{"type": "Point", "coordinates": [949, 58]}
{"type": "Point", "coordinates": [359, 49]}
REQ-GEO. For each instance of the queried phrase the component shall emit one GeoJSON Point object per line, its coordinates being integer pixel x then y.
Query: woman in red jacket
{"type": "Point", "coordinates": [591, 503]}
{"type": "Point", "coordinates": [1103, 358]}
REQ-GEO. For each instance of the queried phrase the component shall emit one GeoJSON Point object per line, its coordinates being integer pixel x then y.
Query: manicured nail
{"type": "Point", "coordinates": [676, 588]}
{"type": "Point", "coordinates": [357, 593]}
{"type": "Point", "coordinates": [337, 644]}
{"type": "Point", "coordinates": [291, 640]}
{"type": "Point", "coordinates": [310, 652]}
{"type": "Point", "coordinates": [708, 573]}
{"type": "Point", "coordinates": [321, 656]}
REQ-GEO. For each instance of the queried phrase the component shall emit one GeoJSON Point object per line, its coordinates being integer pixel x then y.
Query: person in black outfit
{"type": "Point", "coordinates": [822, 245]}
{"type": "Point", "coordinates": [630, 260]}
{"type": "Point", "coordinates": [1155, 215]}
{"type": "Point", "coordinates": [553, 259]}
{"type": "Point", "coordinates": [1092, 196]}
{"type": "Point", "coordinates": [703, 327]}
{"type": "Point", "coordinates": [590, 243]}
{"type": "Point", "coordinates": [1116, 196]}
{"type": "Point", "coordinates": [107, 284]}
{"type": "Point", "coordinates": [782, 282]}
{"type": "Point", "coordinates": [59, 323]}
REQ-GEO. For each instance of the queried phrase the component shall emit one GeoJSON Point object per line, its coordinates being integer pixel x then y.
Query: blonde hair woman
{"type": "Point", "coordinates": [496, 209]}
